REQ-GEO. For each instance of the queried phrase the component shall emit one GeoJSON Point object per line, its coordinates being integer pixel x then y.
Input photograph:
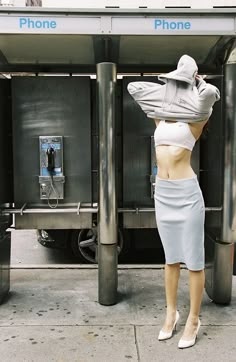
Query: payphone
{"type": "Point", "coordinates": [51, 177]}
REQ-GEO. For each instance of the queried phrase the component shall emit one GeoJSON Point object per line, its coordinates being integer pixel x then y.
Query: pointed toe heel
{"type": "Point", "coordinates": [167, 335]}
{"type": "Point", "coordinates": [183, 343]}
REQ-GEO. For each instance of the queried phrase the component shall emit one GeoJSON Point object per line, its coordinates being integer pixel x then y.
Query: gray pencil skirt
{"type": "Point", "coordinates": [180, 217]}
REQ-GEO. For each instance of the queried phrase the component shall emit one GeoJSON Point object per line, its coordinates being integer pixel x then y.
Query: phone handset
{"type": "Point", "coordinates": [50, 159]}
{"type": "Point", "coordinates": [50, 167]}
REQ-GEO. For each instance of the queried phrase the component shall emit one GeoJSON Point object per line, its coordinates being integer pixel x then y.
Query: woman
{"type": "Point", "coordinates": [181, 109]}
{"type": "Point", "coordinates": [180, 220]}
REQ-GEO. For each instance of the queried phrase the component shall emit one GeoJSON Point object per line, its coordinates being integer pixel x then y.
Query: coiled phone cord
{"type": "Point", "coordinates": [53, 188]}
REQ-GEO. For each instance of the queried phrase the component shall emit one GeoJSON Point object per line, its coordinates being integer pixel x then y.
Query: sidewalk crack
{"type": "Point", "coordinates": [136, 344]}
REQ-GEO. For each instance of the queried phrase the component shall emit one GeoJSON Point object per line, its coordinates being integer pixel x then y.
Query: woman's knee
{"type": "Point", "coordinates": [175, 265]}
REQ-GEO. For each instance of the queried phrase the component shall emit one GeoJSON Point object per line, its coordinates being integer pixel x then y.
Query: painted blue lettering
{"type": "Point", "coordinates": [157, 23]}
{"type": "Point", "coordinates": [29, 23]}
{"type": "Point", "coordinates": [53, 24]}
{"type": "Point", "coordinates": [23, 21]}
{"type": "Point", "coordinates": [163, 24]}
{"type": "Point", "coordinates": [174, 25]}
{"type": "Point", "coordinates": [38, 24]}
{"type": "Point", "coordinates": [187, 25]}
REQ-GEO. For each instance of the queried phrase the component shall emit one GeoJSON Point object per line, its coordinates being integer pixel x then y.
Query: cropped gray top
{"type": "Point", "coordinates": [183, 97]}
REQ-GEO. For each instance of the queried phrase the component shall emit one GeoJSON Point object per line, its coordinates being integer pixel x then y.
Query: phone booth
{"type": "Point", "coordinates": [77, 153]}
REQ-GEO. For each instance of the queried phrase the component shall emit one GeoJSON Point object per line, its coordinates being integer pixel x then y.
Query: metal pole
{"type": "Point", "coordinates": [229, 209]}
{"type": "Point", "coordinates": [107, 228]}
{"type": "Point", "coordinates": [221, 284]}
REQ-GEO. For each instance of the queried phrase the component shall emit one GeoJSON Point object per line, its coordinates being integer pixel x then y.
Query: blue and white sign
{"type": "Point", "coordinates": [169, 25]}
{"type": "Point", "coordinates": [26, 24]}
{"type": "Point", "coordinates": [109, 24]}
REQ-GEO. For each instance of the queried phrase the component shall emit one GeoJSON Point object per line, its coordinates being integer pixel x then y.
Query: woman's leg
{"type": "Point", "coordinates": [172, 272]}
{"type": "Point", "coordinates": [196, 287]}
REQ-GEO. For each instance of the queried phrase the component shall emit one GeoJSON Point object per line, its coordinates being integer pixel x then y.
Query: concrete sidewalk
{"type": "Point", "coordinates": [54, 315]}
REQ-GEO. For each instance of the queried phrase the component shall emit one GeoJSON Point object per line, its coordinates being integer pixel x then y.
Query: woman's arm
{"type": "Point", "coordinates": [208, 93]}
{"type": "Point", "coordinates": [148, 96]}
{"type": "Point", "coordinates": [197, 128]}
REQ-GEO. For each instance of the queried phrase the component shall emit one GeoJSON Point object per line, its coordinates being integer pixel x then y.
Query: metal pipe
{"type": "Point", "coordinates": [151, 209]}
{"type": "Point", "coordinates": [107, 230]}
{"type": "Point", "coordinates": [49, 211]}
{"type": "Point", "coordinates": [222, 272]}
{"type": "Point", "coordinates": [219, 280]}
{"type": "Point", "coordinates": [91, 210]}
{"type": "Point", "coordinates": [107, 274]}
{"type": "Point", "coordinates": [229, 193]}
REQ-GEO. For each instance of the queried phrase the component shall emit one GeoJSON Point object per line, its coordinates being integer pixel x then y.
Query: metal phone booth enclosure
{"type": "Point", "coordinates": [77, 152]}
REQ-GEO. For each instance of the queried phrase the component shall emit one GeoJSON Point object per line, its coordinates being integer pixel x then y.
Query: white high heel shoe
{"type": "Point", "coordinates": [183, 343]}
{"type": "Point", "coordinates": [166, 335]}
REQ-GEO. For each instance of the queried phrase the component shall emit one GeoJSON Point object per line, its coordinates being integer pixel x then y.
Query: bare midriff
{"type": "Point", "coordinates": [174, 162]}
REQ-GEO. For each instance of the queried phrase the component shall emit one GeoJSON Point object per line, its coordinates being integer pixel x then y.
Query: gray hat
{"type": "Point", "coordinates": [186, 71]}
